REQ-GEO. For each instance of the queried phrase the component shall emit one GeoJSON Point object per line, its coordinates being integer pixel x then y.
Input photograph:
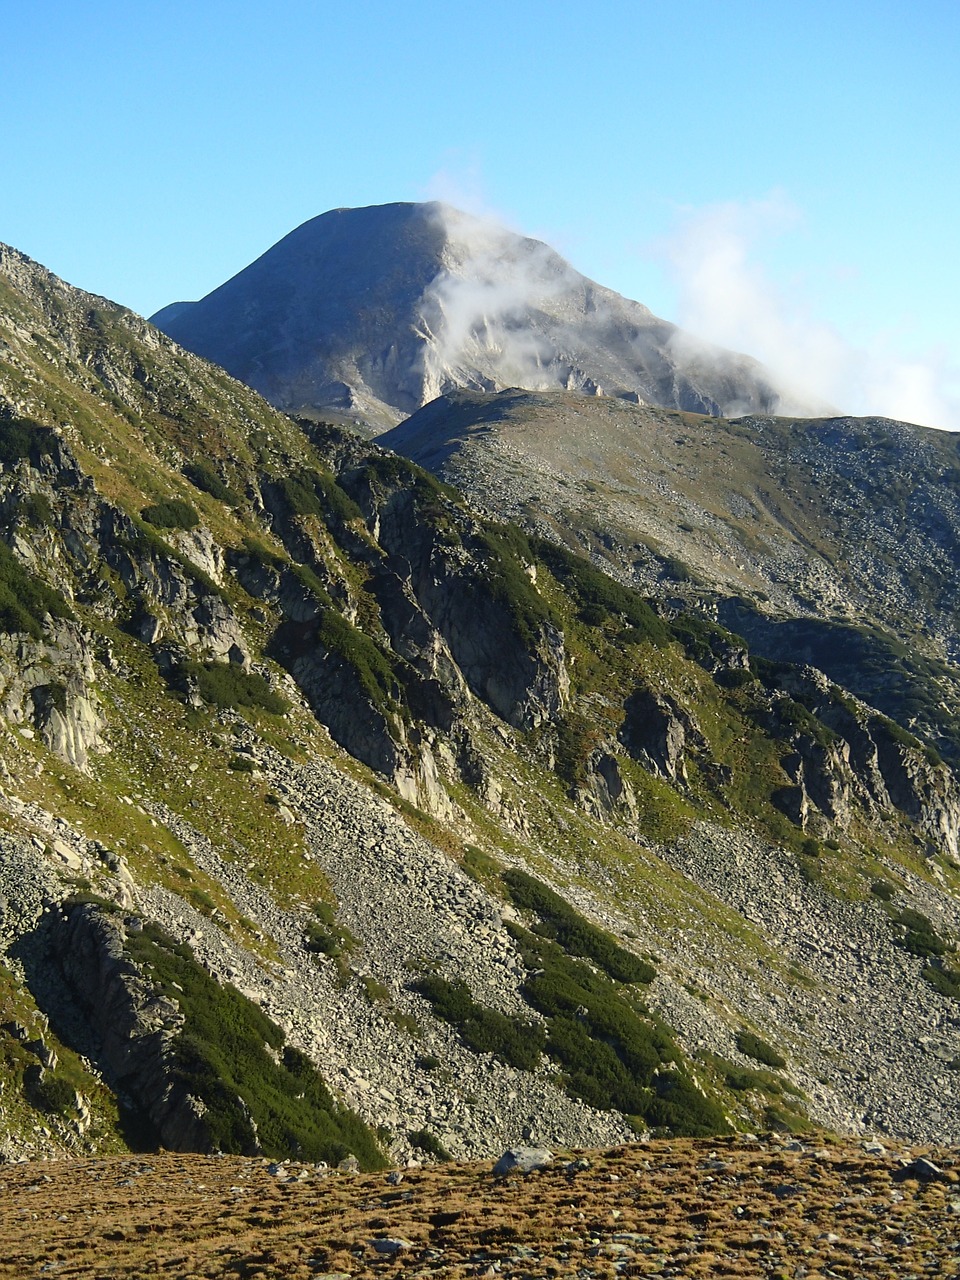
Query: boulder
{"type": "Point", "coordinates": [522, 1160]}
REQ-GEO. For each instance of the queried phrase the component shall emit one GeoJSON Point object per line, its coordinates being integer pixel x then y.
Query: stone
{"type": "Point", "coordinates": [921, 1169]}
{"type": "Point", "coordinates": [522, 1160]}
{"type": "Point", "coordinates": [388, 1245]}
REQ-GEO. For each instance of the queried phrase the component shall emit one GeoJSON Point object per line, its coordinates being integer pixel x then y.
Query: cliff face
{"type": "Point", "coordinates": [298, 743]}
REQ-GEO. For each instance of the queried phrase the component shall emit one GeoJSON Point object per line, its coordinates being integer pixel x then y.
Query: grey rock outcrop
{"type": "Point", "coordinates": [48, 687]}
{"type": "Point", "coordinates": [133, 1028]}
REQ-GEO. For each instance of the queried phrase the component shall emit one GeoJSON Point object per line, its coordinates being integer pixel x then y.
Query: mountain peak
{"type": "Point", "coordinates": [373, 312]}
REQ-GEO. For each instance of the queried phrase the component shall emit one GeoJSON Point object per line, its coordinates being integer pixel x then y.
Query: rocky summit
{"type": "Point", "coordinates": [372, 313]}
{"type": "Point", "coordinates": [345, 821]}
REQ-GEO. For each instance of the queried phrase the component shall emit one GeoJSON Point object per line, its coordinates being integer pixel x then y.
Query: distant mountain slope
{"type": "Point", "coordinates": [374, 312]}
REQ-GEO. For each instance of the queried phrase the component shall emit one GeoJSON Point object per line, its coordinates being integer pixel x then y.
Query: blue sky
{"type": "Point", "coordinates": [780, 177]}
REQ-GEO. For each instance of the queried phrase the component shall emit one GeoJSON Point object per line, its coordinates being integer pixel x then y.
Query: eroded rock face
{"type": "Point", "coordinates": [48, 687]}
{"type": "Point", "coordinates": [374, 312]}
{"type": "Point", "coordinates": [656, 731]}
{"type": "Point", "coordinates": [521, 677]}
{"type": "Point", "coordinates": [869, 765]}
{"type": "Point", "coordinates": [133, 1026]}
{"type": "Point", "coordinates": [605, 791]}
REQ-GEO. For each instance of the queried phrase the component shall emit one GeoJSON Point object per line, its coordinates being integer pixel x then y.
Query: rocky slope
{"type": "Point", "coordinates": [371, 313]}
{"type": "Point", "coordinates": [338, 818]}
{"type": "Point", "coordinates": [829, 541]}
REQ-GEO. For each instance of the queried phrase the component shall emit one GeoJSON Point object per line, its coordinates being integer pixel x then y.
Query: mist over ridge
{"type": "Point", "coordinates": [371, 313]}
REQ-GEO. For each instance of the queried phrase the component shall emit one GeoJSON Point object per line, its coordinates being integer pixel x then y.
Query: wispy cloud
{"type": "Point", "coordinates": [725, 295]}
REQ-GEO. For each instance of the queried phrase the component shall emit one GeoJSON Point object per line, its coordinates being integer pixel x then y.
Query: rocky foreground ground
{"type": "Point", "coordinates": [771, 1207]}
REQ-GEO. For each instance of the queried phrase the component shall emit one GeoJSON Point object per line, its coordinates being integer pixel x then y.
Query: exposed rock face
{"type": "Point", "coordinates": [133, 1027]}
{"type": "Point", "coordinates": [375, 312]}
{"type": "Point", "coordinates": [48, 687]}
{"type": "Point", "coordinates": [656, 730]}
{"type": "Point", "coordinates": [866, 764]}
{"type": "Point", "coordinates": [605, 792]}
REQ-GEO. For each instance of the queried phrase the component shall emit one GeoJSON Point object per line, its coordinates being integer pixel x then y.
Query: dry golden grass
{"type": "Point", "coordinates": [684, 1208]}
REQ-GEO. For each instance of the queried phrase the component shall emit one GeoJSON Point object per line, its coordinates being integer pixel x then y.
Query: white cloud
{"type": "Point", "coordinates": [726, 296]}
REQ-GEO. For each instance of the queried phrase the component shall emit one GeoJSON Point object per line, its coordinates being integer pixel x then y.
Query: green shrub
{"type": "Point", "coordinates": [795, 717]}
{"type": "Point", "coordinates": [946, 981]}
{"type": "Point", "coordinates": [611, 1048]}
{"type": "Point", "coordinates": [919, 937]}
{"type": "Point", "coordinates": [203, 476]}
{"type": "Point", "coordinates": [26, 599]}
{"type": "Point", "coordinates": [262, 553]}
{"type": "Point", "coordinates": [424, 1140]}
{"type": "Point", "coordinates": [338, 501]}
{"type": "Point", "coordinates": [224, 684]}
{"type": "Point", "coordinates": [482, 1029]}
{"type": "Point", "coordinates": [506, 552]}
{"type": "Point", "coordinates": [53, 1094]}
{"type": "Point", "coordinates": [758, 1049]}
{"type": "Point", "coordinates": [234, 1059]}
{"type": "Point", "coordinates": [680, 1108]}
{"type": "Point", "coordinates": [300, 496]}
{"type": "Point", "coordinates": [883, 890]}
{"type": "Point", "coordinates": [326, 935]}
{"type": "Point", "coordinates": [746, 1079]}
{"type": "Point", "coordinates": [36, 510]}
{"type": "Point", "coordinates": [172, 513]}
{"type": "Point", "coordinates": [307, 578]}
{"type": "Point", "coordinates": [372, 667]}
{"type": "Point", "coordinates": [904, 738]}
{"type": "Point", "coordinates": [597, 595]}
{"type": "Point", "coordinates": [576, 935]}
{"type": "Point", "coordinates": [21, 439]}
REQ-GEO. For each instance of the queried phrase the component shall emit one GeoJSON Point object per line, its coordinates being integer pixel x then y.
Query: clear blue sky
{"type": "Point", "coordinates": [800, 158]}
